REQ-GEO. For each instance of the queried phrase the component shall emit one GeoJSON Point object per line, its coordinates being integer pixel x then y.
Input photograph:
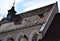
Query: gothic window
{"type": "Point", "coordinates": [10, 39]}
{"type": "Point", "coordinates": [21, 37]}
{"type": "Point", "coordinates": [24, 38]}
{"type": "Point", "coordinates": [35, 37]}
{"type": "Point", "coordinates": [41, 15]}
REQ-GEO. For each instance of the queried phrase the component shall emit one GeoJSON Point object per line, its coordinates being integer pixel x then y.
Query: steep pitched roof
{"type": "Point", "coordinates": [48, 11]}
{"type": "Point", "coordinates": [36, 11]}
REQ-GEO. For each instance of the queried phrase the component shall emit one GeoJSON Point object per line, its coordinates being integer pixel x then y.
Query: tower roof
{"type": "Point", "coordinates": [12, 9]}
{"type": "Point", "coordinates": [33, 15]}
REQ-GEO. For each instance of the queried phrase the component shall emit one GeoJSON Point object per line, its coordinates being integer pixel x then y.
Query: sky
{"type": "Point", "coordinates": [23, 5]}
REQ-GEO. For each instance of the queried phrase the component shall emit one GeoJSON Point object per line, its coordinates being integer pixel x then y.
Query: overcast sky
{"type": "Point", "coordinates": [23, 5]}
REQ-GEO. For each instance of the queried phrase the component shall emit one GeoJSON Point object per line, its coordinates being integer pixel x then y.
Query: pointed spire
{"type": "Point", "coordinates": [14, 3]}
{"type": "Point", "coordinates": [12, 8]}
{"type": "Point", "coordinates": [11, 12]}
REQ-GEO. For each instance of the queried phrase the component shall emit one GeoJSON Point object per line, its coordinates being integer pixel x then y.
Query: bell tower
{"type": "Point", "coordinates": [11, 12]}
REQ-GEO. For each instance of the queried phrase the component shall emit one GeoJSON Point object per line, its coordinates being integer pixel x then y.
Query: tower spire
{"type": "Point", "coordinates": [14, 3]}
{"type": "Point", "coordinates": [11, 12]}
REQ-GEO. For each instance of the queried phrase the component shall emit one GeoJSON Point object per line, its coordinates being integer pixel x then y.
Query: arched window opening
{"type": "Point", "coordinates": [35, 37]}
{"type": "Point", "coordinates": [21, 37]}
{"type": "Point", "coordinates": [10, 39]}
{"type": "Point", "coordinates": [24, 38]}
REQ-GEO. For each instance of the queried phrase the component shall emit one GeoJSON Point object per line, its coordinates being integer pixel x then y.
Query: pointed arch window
{"type": "Point", "coordinates": [21, 37]}
{"type": "Point", "coordinates": [35, 37]}
{"type": "Point", "coordinates": [10, 39]}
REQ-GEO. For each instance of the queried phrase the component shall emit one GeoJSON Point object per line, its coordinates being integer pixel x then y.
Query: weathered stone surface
{"type": "Point", "coordinates": [31, 24]}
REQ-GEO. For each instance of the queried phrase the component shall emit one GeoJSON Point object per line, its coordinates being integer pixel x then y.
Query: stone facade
{"type": "Point", "coordinates": [34, 25]}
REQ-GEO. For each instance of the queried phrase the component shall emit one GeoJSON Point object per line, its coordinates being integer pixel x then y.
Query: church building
{"type": "Point", "coordinates": [40, 24]}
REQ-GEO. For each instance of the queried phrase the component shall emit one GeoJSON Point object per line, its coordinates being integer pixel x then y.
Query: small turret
{"type": "Point", "coordinates": [11, 13]}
